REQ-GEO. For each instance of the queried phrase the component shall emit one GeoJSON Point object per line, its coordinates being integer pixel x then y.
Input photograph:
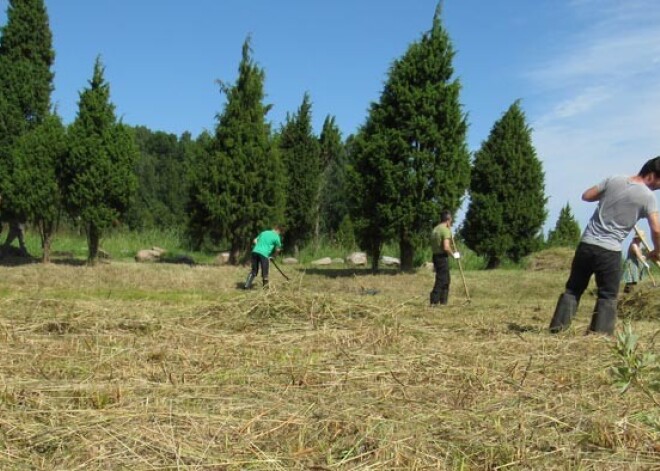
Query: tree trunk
{"type": "Point", "coordinates": [375, 257]}
{"type": "Point", "coordinates": [407, 253]}
{"type": "Point", "coordinates": [46, 229]}
{"type": "Point", "coordinates": [493, 262]}
{"type": "Point", "coordinates": [16, 231]}
{"type": "Point", "coordinates": [234, 253]}
{"type": "Point", "coordinates": [93, 238]}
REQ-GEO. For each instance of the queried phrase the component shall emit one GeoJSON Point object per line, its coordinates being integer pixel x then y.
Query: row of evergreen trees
{"type": "Point", "coordinates": [387, 183]}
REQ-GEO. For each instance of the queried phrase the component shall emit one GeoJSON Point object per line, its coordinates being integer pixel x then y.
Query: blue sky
{"type": "Point", "coordinates": [587, 72]}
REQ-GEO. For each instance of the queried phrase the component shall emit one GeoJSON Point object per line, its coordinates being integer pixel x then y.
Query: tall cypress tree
{"type": "Point", "coordinates": [236, 184]}
{"type": "Point", "coordinates": [333, 194]}
{"type": "Point", "coordinates": [507, 206]}
{"type": "Point", "coordinates": [34, 188]}
{"type": "Point", "coordinates": [566, 232]}
{"type": "Point", "coordinates": [26, 58]}
{"type": "Point", "coordinates": [97, 173]}
{"type": "Point", "coordinates": [301, 156]}
{"type": "Point", "coordinates": [162, 185]}
{"type": "Point", "coordinates": [372, 189]}
{"type": "Point", "coordinates": [422, 129]}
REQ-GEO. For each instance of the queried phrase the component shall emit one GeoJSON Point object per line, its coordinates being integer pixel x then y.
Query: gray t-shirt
{"type": "Point", "coordinates": [622, 203]}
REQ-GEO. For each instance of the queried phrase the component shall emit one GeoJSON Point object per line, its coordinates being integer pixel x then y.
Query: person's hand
{"type": "Point", "coordinates": [456, 255]}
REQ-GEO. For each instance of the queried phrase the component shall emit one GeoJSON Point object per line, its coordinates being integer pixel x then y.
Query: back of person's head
{"type": "Point", "coordinates": [651, 166]}
{"type": "Point", "coordinates": [445, 216]}
{"type": "Point", "coordinates": [279, 228]}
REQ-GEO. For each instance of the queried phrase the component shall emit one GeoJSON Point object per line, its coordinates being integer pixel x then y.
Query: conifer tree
{"type": "Point", "coordinates": [26, 58]}
{"type": "Point", "coordinates": [97, 174]}
{"type": "Point", "coordinates": [567, 230]}
{"type": "Point", "coordinates": [34, 187]}
{"type": "Point", "coordinates": [372, 192]}
{"type": "Point", "coordinates": [301, 157]}
{"type": "Point", "coordinates": [415, 140]}
{"type": "Point", "coordinates": [236, 185]}
{"type": "Point", "coordinates": [507, 199]}
{"type": "Point", "coordinates": [162, 190]}
{"type": "Point", "coordinates": [333, 198]}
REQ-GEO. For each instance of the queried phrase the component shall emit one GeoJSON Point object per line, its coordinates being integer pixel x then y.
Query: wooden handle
{"type": "Point", "coordinates": [644, 243]}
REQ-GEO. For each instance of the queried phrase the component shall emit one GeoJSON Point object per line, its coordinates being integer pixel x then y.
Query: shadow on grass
{"type": "Point", "coordinates": [13, 261]}
{"type": "Point", "coordinates": [70, 261]}
{"type": "Point", "coordinates": [347, 272]}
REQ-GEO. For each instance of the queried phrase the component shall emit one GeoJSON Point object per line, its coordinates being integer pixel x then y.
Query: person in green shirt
{"type": "Point", "coordinates": [442, 250]}
{"type": "Point", "coordinates": [266, 245]}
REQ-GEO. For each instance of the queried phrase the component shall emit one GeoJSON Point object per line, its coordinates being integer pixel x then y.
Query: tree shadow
{"type": "Point", "coordinates": [70, 261]}
{"type": "Point", "coordinates": [17, 261]}
{"type": "Point", "coordinates": [348, 272]}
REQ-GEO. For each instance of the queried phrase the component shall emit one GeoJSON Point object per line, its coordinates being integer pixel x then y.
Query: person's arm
{"type": "Point", "coordinates": [446, 246]}
{"type": "Point", "coordinates": [592, 194]}
{"type": "Point", "coordinates": [654, 223]}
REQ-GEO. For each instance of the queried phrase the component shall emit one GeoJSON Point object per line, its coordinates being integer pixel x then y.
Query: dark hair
{"type": "Point", "coordinates": [445, 216]}
{"type": "Point", "coordinates": [651, 166]}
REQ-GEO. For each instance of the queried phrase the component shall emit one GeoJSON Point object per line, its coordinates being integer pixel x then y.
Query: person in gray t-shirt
{"type": "Point", "coordinates": [622, 201]}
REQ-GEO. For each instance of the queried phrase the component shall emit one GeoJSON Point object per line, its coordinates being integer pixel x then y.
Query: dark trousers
{"type": "Point", "coordinates": [593, 260]}
{"type": "Point", "coordinates": [440, 291]}
{"type": "Point", "coordinates": [260, 260]}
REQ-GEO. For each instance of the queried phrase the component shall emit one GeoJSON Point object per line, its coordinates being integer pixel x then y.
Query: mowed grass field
{"type": "Point", "coordinates": [154, 367]}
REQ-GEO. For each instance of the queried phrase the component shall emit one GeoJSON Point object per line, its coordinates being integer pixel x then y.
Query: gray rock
{"type": "Point", "coordinates": [390, 261]}
{"type": "Point", "coordinates": [322, 261]}
{"type": "Point", "coordinates": [357, 258]}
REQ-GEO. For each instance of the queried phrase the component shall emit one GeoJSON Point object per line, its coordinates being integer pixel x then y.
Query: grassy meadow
{"type": "Point", "coordinates": [173, 367]}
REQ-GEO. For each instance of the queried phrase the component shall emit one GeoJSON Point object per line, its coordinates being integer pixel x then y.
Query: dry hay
{"type": "Point", "coordinates": [642, 303]}
{"type": "Point", "coordinates": [557, 258]}
{"type": "Point", "coordinates": [306, 377]}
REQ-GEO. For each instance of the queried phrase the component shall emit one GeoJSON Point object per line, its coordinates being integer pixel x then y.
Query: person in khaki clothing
{"type": "Point", "coordinates": [441, 247]}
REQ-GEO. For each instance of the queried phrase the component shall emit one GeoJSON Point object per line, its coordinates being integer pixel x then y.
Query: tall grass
{"type": "Point", "coordinates": [121, 244]}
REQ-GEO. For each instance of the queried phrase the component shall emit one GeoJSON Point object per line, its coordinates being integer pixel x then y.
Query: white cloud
{"type": "Point", "coordinates": [600, 113]}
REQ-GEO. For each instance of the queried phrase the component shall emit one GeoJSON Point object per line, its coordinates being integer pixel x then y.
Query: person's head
{"type": "Point", "coordinates": [650, 173]}
{"type": "Point", "coordinates": [445, 216]}
{"type": "Point", "coordinates": [278, 228]}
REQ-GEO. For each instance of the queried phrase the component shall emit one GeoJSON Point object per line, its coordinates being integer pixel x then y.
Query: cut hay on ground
{"type": "Point", "coordinates": [642, 303]}
{"type": "Point", "coordinates": [556, 259]}
{"type": "Point", "coordinates": [138, 367]}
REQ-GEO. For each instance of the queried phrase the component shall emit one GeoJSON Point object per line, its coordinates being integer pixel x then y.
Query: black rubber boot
{"type": "Point", "coordinates": [265, 283]}
{"type": "Point", "coordinates": [444, 295]}
{"type": "Point", "coordinates": [564, 312]}
{"type": "Point", "coordinates": [604, 317]}
{"type": "Point", "coordinates": [248, 281]}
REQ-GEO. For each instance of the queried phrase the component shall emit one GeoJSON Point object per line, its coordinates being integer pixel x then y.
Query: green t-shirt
{"type": "Point", "coordinates": [440, 233]}
{"type": "Point", "coordinates": [267, 242]}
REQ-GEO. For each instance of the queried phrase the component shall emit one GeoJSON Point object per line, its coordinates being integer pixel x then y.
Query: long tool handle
{"type": "Point", "coordinates": [643, 239]}
{"type": "Point", "coordinates": [645, 244]}
{"type": "Point", "coordinates": [278, 269]}
{"type": "Point", "coordinates": [460, 268]}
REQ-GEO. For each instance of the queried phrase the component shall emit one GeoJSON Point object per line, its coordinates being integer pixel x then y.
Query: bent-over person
{"type": "Point", "coordinates": [622, 201]}
{"type": "Point", "coordinates": [266, 244]}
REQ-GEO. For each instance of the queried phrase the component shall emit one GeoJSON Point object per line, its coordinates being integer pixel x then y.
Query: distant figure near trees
{"type": "Point", "coordinates": [635, 264]}
{"type": "Point", "coordinates": [266, 244]}
{"type": "Point", "coordinates": [442, 250]}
